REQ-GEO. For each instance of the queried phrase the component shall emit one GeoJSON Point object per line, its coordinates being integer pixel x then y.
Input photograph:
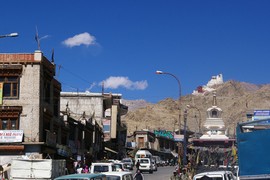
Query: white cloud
{"type": "Point", "coordinates": [116, 82]}
{"type": "Point", "coordinates": [80, 39]}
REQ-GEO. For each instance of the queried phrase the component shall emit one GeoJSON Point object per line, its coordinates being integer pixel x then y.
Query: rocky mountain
{"type": "Point", "coordinates": [234, 98]}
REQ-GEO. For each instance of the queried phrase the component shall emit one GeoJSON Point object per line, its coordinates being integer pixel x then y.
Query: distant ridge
{"type": "Point", "coordinates": [233, 97]}
{"type": "Point", "coordinates": [135, 104]}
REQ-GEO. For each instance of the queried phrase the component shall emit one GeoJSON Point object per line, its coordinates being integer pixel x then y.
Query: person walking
{"type": "Point", "coordinates": [138, 175]}
{"type": "Point", "coordinates": [184, 175]}
{"type": "Point", "coordinates": [174, 176]}
{"type": "Point", "coordinates": [138, 164]}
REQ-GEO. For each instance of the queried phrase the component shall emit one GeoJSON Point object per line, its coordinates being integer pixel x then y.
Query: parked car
{"type": "Point", "coordinates": [127, 167]}
{"type": "Point", "coordinates": [145, 165]}
{"type": "Point", "coordinates": [154, 165]}
{"type": "Point", "coordinates": [102, 167]}
{"type": "Point", "coordinates": [121, 166]}
{"type": "Point", "coordinates": [157, 160]}
{"type": "Point", "coordinates": [82, 177]}
{"type": "Point", "coordinates": [163, 163]}
{"type": "Point", "coordinates": [215, 175]}
{"type": "Point", "coordinates": [118, 175]}
{"type": "Point", "coordinates": [128, 162]}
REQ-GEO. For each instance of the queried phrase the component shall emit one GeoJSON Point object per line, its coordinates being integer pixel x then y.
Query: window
{"type": "Point", "coordinates": [10, 88]}
{"type": "Point", "coordinates": [47, 90]}
{"type": "Point", "coordinates": [9, 117]}
{"type": "Point", "coordinates": [214, 114]}
{"type": "Point", "coordinates": [9, 124]}
{"type": "Point", "coordinates": [100, 168]}
{"type": "Point", "coordinates": [55, 107]}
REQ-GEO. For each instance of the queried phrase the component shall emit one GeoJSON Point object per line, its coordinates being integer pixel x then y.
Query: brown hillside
{"type": "Point", "coordinates": [234, 98]}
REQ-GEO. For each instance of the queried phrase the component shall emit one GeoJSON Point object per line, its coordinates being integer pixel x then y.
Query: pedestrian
{"type": "Point", "coordinates": [85, 169]}
{"type": "Point", "coordinates": [174, 176]}
{"type": "Point", "coordinates": [79, 167]}
{"type": "Point", "coordinates": [184, 175]}
{"type": "Point", "coordinates": [138, 165]}
{"type": "Point", "coordinates": [138, 175]}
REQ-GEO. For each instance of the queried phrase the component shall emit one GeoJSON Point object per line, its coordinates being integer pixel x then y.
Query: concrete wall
{"type": "Point", "coordinates": [90, 103]}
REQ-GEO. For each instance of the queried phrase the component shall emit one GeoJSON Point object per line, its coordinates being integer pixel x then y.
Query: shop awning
{"type": "Point", "coordinates": [174, 154]}
{"type": "Point", "coordinates": [108, 149]}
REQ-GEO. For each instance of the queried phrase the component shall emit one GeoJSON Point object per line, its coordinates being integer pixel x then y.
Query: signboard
{"type": "Point", "coordinates": [10, 136]}
{"type": "Point", "coordinates": [106, 129]}
{"type": "Point", "coordinates": [261, 114]}
{"type": "Point", "coordinates": [50, 138]}
{"type": "Point", "coordinates": [164, 133]}
{"type": "Point", "coordinates": [178, 137]}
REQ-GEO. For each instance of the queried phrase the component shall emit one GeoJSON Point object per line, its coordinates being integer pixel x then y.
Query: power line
{"type": "Point", "coordinates": [72, 73]}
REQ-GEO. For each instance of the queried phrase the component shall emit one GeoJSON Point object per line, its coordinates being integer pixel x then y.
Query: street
{"type": "Point", "coordinates": [163, 173]}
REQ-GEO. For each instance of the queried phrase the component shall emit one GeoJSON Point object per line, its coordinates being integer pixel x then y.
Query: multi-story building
{"type": "Point", "coordinates": [104, 111]}
{"type": "Point", "coordinates": [29, 107]}
{"type": "Point", "coordinates": [158, 142]}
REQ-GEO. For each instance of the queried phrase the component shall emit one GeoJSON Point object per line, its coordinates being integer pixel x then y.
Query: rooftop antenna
{"type": "Point", "coordinates": [37, 38]}
{"type": "Point", "coordinates": [102, 87]}
{"type": "Point", "coordinates": [52, 55]}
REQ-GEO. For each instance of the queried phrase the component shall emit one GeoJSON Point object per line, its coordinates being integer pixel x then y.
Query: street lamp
{"type": "Point", "coordinates": [200, 117]}
{"type": "Point", "coordinates": [179, 102]}
{"type": "Point", "coordinates": [179, 118]}
{"type": "Point", "coordinates": [185, 137]}
{"type": "Point", "coordinates": [9, 35]}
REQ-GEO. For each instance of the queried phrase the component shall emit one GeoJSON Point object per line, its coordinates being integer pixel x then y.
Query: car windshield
{"type": "Point", "coordinates": [112, 177]}
{"type": "Point", "coordinates": [209, 178]}
{"type": "Point", "coordinates": [101, 168]}
{"type": "Point", "coordinates": [119, 167]}
{"type": "Point", "coordinates": [144, 160]}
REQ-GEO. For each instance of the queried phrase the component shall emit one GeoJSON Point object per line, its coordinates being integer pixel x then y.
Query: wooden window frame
{"type": "Point", "coordinates": [11, 91]}
{"type": "Point", "coordinates": [9, 113]}
{"type": "Point", "coordinates": [9, 124]}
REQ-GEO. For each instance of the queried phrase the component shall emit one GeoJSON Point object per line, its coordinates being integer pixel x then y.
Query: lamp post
{"type": "Point", "coordinates": [200, 117]}
{"type": "Point", "coordinates": [179, 117]}
{"type": "Point", "coordinates": [185, 137]}
{"type": "Point", "coordinates": [9, 35]}
{"type": "Point", "coordinates": [179, 101]}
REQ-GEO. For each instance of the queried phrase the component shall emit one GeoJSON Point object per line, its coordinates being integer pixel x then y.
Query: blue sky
{"type": "Point", "coordinates": [123, 42]}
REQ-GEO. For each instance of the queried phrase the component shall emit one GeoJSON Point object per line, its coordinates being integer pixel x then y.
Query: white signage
{"type": "Point", "coordinates": [9, 136]}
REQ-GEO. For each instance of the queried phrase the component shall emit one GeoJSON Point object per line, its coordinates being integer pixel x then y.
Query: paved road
{"type": "Point", "coordinates": [163, 173]}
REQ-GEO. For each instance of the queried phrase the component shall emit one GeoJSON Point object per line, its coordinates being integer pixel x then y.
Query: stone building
{"type": "Point", "coordinates": [29, 114]}
{"type": "Point", "coordinates": [104, 111]}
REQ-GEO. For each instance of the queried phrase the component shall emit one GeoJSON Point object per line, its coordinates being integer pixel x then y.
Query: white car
{"type": "Point", "coordinates": [145, 165]}
{"type": "Point", "coordinates": [217, 175]}
{"type": "Point", "coordinates": [102, 167]}
{"type": "Point", "coordinates": [121, 166]}
{"type": "Point", "coordinates": [128, 162]}
{"type": "Point", "coordinates": [123, 175]}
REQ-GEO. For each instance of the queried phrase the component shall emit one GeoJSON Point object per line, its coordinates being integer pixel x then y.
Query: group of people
{"type": "Point", "coordinates": [180, 176]}
{"type": "Point", "coordinates": [81, 168]}
{"type": "Point", "coordinates": [183, 173]}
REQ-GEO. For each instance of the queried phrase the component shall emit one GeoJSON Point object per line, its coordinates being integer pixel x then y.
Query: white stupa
{"type": "Point", "coordinates": [214, 127]}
